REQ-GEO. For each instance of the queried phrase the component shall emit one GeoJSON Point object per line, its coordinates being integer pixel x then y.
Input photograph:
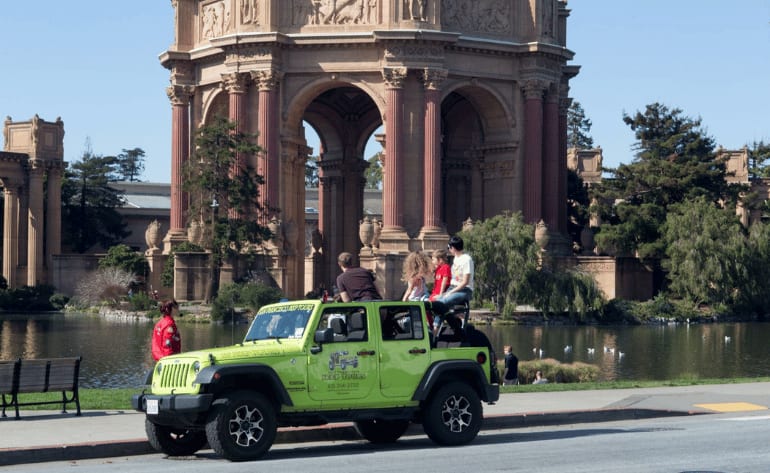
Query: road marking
{"type": "Point", "coordinates": [732, 407]}
{"type": "Point", "coordinates": [743, 419]}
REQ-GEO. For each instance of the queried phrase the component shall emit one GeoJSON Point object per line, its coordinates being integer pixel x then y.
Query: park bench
{"type": "Point", "coordinates": [47, 375]}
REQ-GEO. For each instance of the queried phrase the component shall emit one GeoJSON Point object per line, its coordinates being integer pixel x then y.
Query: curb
{"type": "Point", "coordinates": [329, 432]}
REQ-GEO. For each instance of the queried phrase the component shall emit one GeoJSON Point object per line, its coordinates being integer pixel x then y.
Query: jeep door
{"type": "Point", "coordinates": [346, 367]}
{"type": "Point", "coordinates": [405, 349]}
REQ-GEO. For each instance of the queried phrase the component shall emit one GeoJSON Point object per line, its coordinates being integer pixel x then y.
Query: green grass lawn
{"type": "Point", "coordinates": [120, 399]}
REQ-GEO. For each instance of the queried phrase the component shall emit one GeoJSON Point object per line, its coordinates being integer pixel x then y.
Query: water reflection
{"type": "Point", "coordinates": [117, 353]}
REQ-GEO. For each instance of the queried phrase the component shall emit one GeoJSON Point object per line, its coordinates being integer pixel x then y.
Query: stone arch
{"type": "Point", "coordinates": [216, 104]}
{"type": "Point", "coordinates": [478, 154]}
{"type": "Point", "coordinates": [344, 116]}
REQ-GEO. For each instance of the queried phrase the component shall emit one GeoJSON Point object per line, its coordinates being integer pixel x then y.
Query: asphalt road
{"type": "Point", "coordinates": [729, 442]}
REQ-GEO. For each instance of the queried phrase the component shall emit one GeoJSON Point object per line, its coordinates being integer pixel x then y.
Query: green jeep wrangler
{"type": "Point", "coordinates": [302, 363]}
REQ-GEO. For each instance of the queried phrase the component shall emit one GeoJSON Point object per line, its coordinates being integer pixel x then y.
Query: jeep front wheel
{"type": "Point", "coordinates": [382, 431]}
{"type": "Point", "coordinates": [453, 415]}
{"type": "Point", "coordinates": [174, 442]}
{"type": "Point", "coordinates": [242, 426]}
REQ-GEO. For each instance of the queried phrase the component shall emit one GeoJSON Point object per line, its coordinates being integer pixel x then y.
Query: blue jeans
{"type": "Point", "coordinates": [456, 298]}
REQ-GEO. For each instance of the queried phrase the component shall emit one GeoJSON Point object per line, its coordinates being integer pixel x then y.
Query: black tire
{"type": "Point", "coordinates": [242, 426]}
{"type": "Point", "coordinates": [381, 430]}
{"type": "Point", "coordinates": [174, 442]}
{"type": "Point", "coordinates": [453, 415]}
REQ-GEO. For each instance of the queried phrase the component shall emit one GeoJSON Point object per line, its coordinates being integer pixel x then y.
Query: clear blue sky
{"type": "Point", "coordinates": [95, 64]}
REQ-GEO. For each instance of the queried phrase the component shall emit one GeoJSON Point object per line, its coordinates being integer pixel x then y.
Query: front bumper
{"type": "Point", "coordinates": [173, 403]}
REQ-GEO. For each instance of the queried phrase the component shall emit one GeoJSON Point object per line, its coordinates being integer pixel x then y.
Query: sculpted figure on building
{"type": "Point", "coordinates": [215, 19]}
{"type": "Point", "coordinates": [485, 16]}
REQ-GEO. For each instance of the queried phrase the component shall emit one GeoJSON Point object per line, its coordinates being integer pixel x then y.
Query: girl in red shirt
{"type": "Point", "coordinates": [165, 336]}
{"type": "Point", "coordinates": [442, 275]}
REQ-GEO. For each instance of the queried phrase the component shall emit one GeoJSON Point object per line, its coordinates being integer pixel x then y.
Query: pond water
{"type": "Point", "coordinates": [117, 354]}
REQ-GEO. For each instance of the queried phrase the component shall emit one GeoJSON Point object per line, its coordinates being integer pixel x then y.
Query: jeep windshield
{"type": "Point", "coordinates": [280, 321]}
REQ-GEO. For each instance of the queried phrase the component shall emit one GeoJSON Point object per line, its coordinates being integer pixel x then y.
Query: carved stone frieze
{"type": "Point", "coordinates": [181, 72]}
{"type": "Point", "coordinates": [332, 12]}
{"type": "Point", "coordinates": [482, 16]}
{"type": "Point", "coordinates": [215, 19]}
{"type": "Point", "coordinates": [415, 10]}
{"type": "Point", "coordinates": [249, 10]}
{"type": "Point", "coordinates": [248, 55]}
{"type": "Point", "coordinates": [497, 169]}
{"type": "Point", "coordinates": [414, 52]}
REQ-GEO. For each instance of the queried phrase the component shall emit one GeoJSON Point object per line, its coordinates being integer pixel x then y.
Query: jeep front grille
{"type": "Point", "coordinates": [174, 375]}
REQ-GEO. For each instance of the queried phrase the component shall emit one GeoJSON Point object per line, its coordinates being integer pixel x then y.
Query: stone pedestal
{"type": "Point", "coordinates": [157, 261]}
{"type": "Point", "coordinates": [393, 239]}
{"type": "Point", "coordinates": [172, 239]}
{"type": "Point", "coordinates": [433, 239]}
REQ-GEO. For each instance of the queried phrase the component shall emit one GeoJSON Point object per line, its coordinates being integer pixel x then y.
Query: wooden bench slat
{"type": "Point", "coordinates": [8, 373]}
{"type": "Point", "coordinates": [32, 377]}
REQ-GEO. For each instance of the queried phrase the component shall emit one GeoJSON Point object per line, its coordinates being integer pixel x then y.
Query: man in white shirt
{"type": "Point", "coordinates": [461, 285]}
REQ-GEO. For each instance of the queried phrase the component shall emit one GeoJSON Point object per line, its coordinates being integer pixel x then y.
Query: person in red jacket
{"type": "Point", "coordinates": [165, 336]}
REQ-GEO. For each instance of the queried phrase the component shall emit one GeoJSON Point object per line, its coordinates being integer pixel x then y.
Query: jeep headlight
{"type": "Point", "coordinates": [196, 367]}
{"type": "Point", "coordinates": [159, 368]}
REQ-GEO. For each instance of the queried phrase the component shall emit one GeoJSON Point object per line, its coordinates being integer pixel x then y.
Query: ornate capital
{"type": "Point", "coordinates": [180, 94]}
{"type": "Point", "coordinates": [432, 78]}
{"type": "Point", "coordinates": [235, 82]}
{"type": "Point", "coordinates": [534, 88]}
{"type": "Point", "coordinates": [394, 77]}
{"type": "Point", "coordinates": [267, 79]}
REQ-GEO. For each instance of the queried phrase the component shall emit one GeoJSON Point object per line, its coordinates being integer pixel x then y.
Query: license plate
{"type": "Point", "coordinates": [152, 406]}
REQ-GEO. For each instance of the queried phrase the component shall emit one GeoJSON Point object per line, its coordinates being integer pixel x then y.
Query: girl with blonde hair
{"type": "Point", "coordinates": [417, 266]}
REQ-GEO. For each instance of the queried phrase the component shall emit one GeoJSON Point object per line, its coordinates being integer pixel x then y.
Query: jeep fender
{"type": "Point", "coordinates": [460, 370]}
{"type": "Point", "coordinates": [215, 374]}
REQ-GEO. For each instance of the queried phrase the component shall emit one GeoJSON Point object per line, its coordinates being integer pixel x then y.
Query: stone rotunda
{"type": "Point", "coordinates": [471, 95]}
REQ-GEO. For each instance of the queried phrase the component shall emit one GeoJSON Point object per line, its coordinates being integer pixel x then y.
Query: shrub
{"type": "Point", "coordinates": [58, 301]}
{"type": "Point", "coordinates": [142, 301]}
{"type": "Point", "coordinates": [108, 285]}
{"type": "Point", "coordinates": [248, 295]}
{"type": "Point", "coordinates": [123, 257]}
{"type": "Point", "coordinates": [557, 372]}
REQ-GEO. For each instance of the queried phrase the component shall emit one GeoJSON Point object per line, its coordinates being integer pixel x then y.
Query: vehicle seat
{"type": "Point", "coordinates": [357, 331]}
{"type": "Point", "coordinates": [340, 330]}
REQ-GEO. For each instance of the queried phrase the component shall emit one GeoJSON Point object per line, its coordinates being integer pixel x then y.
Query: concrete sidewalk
{"type": "Point", "coordinates": [41, 436]}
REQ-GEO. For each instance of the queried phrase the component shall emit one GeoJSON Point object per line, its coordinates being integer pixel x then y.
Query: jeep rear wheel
{"type": "Point", "coordinates": [381, 430]}
{"type": "Point", "coordinates": [242, 426]}
{"type": "Point", "coordinates": [453, 415]}
{"type": "Point", "coordinates": [174, 442]}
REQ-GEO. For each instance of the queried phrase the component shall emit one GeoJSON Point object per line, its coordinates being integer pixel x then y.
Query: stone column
{"type": "Point", "coordinates": [564, 103]}
{"type": "Point", "coordinates": [35, 223]}
{"type": "Point", "coordinates": [552, 194]}
{"type": "Point", "coordinates": [235, 85]}
{"type": "Point", "coordinates": [268, 163]}
{"type": "Point", "coordinates": [180, 153]}
{"type": "Point", "coordinates": [393, 231]}
{"type": "Point", "coordinates": [10, 232]}
{"type": "Point", "coordinates": [533, 150]}
{"type": "Point", "coordinates": [53, 215]}
{"type": "Point", "coordinates": [432, 79]}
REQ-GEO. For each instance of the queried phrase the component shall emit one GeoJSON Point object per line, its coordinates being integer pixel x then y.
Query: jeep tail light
{"type": "Point", "coordinates": [481, 357]}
